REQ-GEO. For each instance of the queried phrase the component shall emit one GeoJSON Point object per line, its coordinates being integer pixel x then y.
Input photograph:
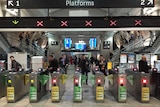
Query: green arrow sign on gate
{"type": "Point", "coordinates": [43, 79]}
{"type": "Point", "coordinates": [130, 79]}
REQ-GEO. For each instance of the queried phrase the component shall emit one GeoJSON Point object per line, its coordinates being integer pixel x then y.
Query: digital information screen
{"type": "Point", "coordinates": [80, 46]}
{"type": "Point", "coordinates": [39, 4]}
{"type": "Point", "coordinates": [80, 22]}
{"type": "Point", "coordinates": [67, 43]}
{"type": "Point", "coordinates": [93, 43]}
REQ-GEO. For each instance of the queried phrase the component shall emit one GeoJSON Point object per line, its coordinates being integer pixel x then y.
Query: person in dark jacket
{"type": "Point", "coordinates": [14, 64]}
{"type": "Point", "coordinates": [143, 66]}
{"type": "Point", "coordinates": [65, 62]}
{"type": "Point", "coordinates": [53, 64]}
{"type": "Point", "coordinates": [84, 65]}
{"type": "Point", "coordinates": [102, 65]}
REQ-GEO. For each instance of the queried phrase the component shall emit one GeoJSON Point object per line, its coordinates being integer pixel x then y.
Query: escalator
{"type": "Point", "coordinates": [11, 43]}
{"type": "Point", "coordinates": [139, 47]}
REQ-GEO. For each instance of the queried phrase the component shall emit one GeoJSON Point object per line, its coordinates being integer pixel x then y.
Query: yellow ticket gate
{"type": "Point", "coordinates": [58, 86]}
{"type": "Point", "coordinates": [17, 85]}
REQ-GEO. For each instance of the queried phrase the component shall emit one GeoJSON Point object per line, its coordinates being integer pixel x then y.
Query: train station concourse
{"type": "Point", "coordinates": [79, 53]}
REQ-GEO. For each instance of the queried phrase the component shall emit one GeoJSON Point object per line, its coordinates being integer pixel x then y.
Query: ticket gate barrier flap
{"type": "Point", "coordinates": [130, 79]}
{"type": "Point", "coordinates": [92, 78]}
{"type": "Point", "coordinates": [83, 79]}
{"type": "Point", "coordinates": [43, 79]}
{"type": "Point", "coordinates": [26, 79]}
{"type": "Point", "coordinates": [64, 78]}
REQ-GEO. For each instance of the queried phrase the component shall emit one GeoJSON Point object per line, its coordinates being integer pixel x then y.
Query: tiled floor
{"type": "Point", "coordinates": [88, 99]}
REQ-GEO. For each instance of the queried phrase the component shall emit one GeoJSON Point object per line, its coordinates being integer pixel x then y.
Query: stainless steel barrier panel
{"type": "Point", "coordinates": [38, 81]}
{"type": "Point", "coordinates": [98, 87]}
{"type": "Point", "coordinates": [155, 84]}
{"type": "Point", "coordinates": [17, 85]}
{"type": "Point", "coordinates": [138, 85]}
{"type": "Point", "coordinates": [118, 86]}
{"type": "Point", "coordinates": [3, 82]}
{"type": "Point", "coordinates": [58, 86]}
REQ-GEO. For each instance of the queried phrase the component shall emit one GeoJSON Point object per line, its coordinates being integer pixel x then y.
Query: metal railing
{"type": "Point", "coordinates": [23, 46]}
{"type": "Point", "coordinates": [135, 44]}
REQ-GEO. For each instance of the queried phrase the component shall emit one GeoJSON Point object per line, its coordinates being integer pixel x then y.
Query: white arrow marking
{"type": "Point", "coordinates": [150, 2]}
{"type": "Point", "coordinates": [10, 3]}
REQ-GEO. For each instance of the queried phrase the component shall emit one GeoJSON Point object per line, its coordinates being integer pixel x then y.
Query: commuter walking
{"type": "Point", "coordinates": [102, 65]}
{"type": "Point", "coordinates": [84, 65]}
{"type": "Point", "coordinates": [64, 63]}
{"type": "Point", "coordinates": [53, 65]}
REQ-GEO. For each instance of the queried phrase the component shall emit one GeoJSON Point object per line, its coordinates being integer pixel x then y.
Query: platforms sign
{"type": "Point", "coordinates": [33, 4]}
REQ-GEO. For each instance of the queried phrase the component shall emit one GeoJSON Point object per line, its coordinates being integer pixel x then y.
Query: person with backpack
{"type": "Point", "coordinates": [14, 64]}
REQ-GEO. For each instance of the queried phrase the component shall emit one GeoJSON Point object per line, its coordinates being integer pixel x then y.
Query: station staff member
{"type": "Point", "coordinates": [143, 66]}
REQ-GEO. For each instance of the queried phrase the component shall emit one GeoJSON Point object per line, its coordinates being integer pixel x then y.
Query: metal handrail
{"type": "Point", "coordinates": [23, 45]}
{"type": "Point", "coordinates": [129, 46]}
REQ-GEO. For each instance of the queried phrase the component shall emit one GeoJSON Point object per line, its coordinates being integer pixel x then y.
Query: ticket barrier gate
{"type": "Point", "coordinates": [138, 85]}
{"type": "Point", "coordinates": [98, 86]}
{"type": "Point", "coordinates": [38, 81]}
{"type": "Point", "coordinates": [3, 82]}
{"type": "Point", "coordinates": [155, 83]}
{"type": "Point", "coordinates": [118, 87]}
{"type": "Point", "coordinates": [58, 85]}
{"type": "Point", "coordinates": [78, 93]}
{"type": "Point", "coordinates": [17, 85]}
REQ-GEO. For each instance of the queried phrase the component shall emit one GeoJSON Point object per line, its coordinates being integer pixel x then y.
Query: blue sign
{"type": "Point", "coordinates": [67, 43]}
{"type": "Point", "coordinates": [93, 43]}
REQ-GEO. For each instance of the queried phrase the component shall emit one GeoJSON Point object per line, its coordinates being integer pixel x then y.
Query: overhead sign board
{"type": "Point", "coordinates": [37, 4]}
{"type": "Point", "coordinates": [80, 22]}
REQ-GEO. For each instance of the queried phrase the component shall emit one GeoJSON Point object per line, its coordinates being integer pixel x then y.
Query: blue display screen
{"type": "Point", "coordinates": [67, 43]}
{"type": "Point", "coordinates": [80, 46]}
{"type": "Point", "coordinates": [93, 43]}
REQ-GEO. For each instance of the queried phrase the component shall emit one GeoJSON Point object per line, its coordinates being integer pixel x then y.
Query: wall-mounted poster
{"type": "Point", "coordinates": [131, 58]}
{"type": "Point", "coordinates": [123, 58]}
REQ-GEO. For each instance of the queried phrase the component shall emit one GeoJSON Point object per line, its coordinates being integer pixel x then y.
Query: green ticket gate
{"type": "Point", "coordinates": [58, 86]}
{"type": "Point", "coordinates": [118, 86]}
{"type": "Point", "coordinates": [17, 85]}
{"type": "Point", "coordinates": [77, 95]}
{"type": "Point", "coordinates": [38, 81]}
{"type": "Point", "coordinates": [138, 85]}
{"type": "Point", "coordinates": [98, 87]}
{"type": "Point", "coordinates": [3, 82]}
